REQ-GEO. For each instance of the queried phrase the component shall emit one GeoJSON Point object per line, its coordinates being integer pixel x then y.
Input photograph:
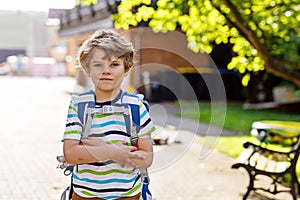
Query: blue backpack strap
{"type": "Point", "coordinates": [132, 119]}
{"type": "Point", "coordinates": [133, 101]}
{"type": "Point", "coordinates": [133, 128]}
{"type": "Point", "coordinates": [85, 100]}
{"type": "Point", "coordinates": [146, 194]}
{"type": "Point", "coordinates": [135, 106]}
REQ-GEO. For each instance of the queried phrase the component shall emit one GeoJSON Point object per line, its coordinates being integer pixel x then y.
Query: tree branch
{"type": "Point", "coordinates": [276, 68]}
{"type": "Point", "coordinates": [287, 64]}
{"type": "Point", "coordinates": [245, 30]}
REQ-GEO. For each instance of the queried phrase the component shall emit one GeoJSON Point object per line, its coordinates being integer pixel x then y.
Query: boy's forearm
{"type": "Point", "coordinates": [80, 154]}
{"type": "Point", "coordinates": [95, 150]}
{"type": "Point", "coordinates": [147, 161]}
{"type": "Point", "coordinates": [145, 148]}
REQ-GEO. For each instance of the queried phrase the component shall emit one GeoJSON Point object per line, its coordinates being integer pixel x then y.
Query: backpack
{"type": "Point", "coordinates": [86, 104]}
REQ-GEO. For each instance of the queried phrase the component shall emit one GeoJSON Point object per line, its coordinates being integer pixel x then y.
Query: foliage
{"type": "Point", "coordinates": [264, 34]}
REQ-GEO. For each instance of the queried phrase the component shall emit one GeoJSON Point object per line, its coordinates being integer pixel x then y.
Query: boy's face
{"type": "Point", "coordinates": [106, 72]}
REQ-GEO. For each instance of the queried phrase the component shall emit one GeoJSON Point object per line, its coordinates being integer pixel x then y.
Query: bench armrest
{"type": "Point", "coordinates": [259, 148]}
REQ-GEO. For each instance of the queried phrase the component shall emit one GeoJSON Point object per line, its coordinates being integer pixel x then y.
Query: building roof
{"type": "Point", "coordinates": [83, 19]}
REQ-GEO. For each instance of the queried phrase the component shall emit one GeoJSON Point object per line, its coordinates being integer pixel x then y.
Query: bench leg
{"type": "Point", "coordinates": [294, 186]}
{"type": "Point", "coordinates": [298, 185]}
{"type": "Point", "coordinates": [293, 192]}
{"type": "Point", "coordinates": [250, 186]}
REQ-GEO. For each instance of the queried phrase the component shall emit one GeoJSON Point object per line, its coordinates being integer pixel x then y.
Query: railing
{"type": "Point", "coordinates": [83, 14]}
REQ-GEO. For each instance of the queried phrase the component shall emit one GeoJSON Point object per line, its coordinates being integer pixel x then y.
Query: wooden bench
{"type": "Point", "coordinates": [259, 159]}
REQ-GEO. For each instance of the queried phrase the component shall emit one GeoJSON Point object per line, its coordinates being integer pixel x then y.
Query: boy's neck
{"type": "Point", "coordinates": [103, 96]}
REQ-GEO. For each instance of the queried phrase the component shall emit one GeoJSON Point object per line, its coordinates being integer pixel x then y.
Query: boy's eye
{"type": "Point", "coordinates": [98, 65]}
{"type": "Point", "coordinates": [115, 64]}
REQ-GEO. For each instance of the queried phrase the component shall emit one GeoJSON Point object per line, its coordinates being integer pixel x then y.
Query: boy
{"type": "Point", "coordinates": [106, 162]}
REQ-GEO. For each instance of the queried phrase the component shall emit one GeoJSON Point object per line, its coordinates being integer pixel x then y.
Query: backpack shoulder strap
{"type": "Point", "coordinates": [133, 102]}
{"type": "Point", "coordinates": [85, 102]}
{"type": "Point", "coordinates": [132, 119]}
{"type": "Point", "coordinates": [135, 115]}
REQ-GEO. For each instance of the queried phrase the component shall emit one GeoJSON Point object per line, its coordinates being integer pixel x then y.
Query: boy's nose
{"type": "Point", "coordinates": [106, 70]}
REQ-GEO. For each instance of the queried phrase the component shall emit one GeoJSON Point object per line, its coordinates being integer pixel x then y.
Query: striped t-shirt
{"type": "Point", "coordinates": [107, 180]}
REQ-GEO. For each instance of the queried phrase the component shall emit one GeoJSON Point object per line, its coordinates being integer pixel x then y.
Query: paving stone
{"type": "Point", "coordinates": [32, 117]}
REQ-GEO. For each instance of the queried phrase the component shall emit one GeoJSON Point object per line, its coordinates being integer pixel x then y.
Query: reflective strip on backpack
{"type": "Point", "coordinates": [85, 98]}
{"type": "Point", "coordinates": [88, 122]}
{"type": "Point", "coordinates": [129, 99]}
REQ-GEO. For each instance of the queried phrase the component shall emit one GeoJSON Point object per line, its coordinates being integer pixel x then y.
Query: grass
{"type": "Point", "coordinates": [236, 118]}
{"type": "Point", "coordinates": [233, 146]}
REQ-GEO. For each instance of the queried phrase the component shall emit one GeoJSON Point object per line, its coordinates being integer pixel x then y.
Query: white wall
{"type": "Point", "coordinates": [24, 30]}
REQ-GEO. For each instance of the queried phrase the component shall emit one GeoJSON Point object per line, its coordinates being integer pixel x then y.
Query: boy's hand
{"type": "Point", "coordinates": [124, 154]}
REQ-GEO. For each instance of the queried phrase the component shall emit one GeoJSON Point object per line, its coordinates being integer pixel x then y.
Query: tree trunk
{"type": "Point", "coordinates": [276, 68]}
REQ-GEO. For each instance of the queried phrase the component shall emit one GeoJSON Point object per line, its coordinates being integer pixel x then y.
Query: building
{"type": "Point", "coordinates": [28, 43]}
{"type": "Point", "coordinates": [24, 33]}
{"type": "Point", "coordinates": [166, 68]}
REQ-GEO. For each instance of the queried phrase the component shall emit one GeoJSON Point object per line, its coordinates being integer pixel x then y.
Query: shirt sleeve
{"type": "Point", "coordinates": [147, 126]}
{"type": "Point", "coordinates": [73, 127]}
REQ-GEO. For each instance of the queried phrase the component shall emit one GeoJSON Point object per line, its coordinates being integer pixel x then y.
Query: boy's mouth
{"type": "Point", "coordinates": [106, 79]}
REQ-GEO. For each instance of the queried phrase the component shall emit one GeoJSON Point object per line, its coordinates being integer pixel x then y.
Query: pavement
{"type": "Point", "coordinates": [32, 119]}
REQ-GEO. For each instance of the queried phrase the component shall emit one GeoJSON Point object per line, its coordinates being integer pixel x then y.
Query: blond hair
{"type": "Point", "coordinates": [112, 43]}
